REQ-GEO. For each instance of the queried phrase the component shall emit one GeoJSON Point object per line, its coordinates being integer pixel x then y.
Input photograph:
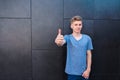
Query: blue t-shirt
{"type": "Point", "coordinates": [76, 53]}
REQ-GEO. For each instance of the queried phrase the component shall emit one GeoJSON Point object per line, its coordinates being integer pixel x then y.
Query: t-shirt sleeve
{"type": "Point", "coordinates": [90, 46]}
{"type": "Point", "coordinates": [66, 38]}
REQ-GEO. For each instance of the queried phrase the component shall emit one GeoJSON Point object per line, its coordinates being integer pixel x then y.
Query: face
{"type": "Point", "coordinates": [76, 26]}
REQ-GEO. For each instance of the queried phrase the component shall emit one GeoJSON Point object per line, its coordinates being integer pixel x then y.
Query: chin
{"type": "Point", "coordinates": [77, 31]}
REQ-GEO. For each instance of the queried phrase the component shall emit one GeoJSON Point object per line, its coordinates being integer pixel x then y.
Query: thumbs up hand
{"type": "Point", "coordinates": [59, 32]}
{"type": "Point", "coordinates": [59, 39]}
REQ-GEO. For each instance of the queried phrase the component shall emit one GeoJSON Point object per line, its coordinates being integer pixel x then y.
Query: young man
{"type": "Point", "coordinates": [79, 46]}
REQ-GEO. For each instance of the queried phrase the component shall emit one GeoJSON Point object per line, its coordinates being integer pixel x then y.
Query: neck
{"type": "Point", "coordinates": [76, 34]}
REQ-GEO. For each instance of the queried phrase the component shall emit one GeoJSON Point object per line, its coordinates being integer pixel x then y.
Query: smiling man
{"type": "Point", "coordinates": [79, 55]}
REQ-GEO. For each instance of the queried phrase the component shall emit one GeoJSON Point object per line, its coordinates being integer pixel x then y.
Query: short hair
{"type": "Point", "coordinates": [75, 18]}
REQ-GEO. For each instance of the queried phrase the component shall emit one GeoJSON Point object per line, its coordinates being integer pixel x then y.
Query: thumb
{"type": "Point", "coordinates": [59, 31]}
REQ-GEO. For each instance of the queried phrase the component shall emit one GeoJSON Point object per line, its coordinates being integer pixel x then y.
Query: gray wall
{"type": "Point", "coordinates": [28, 29]}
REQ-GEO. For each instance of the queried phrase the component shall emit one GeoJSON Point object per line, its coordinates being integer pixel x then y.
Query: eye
{"type": "Point", "coordinates": [76, 24]}
{"type": "Point", "coordinates": [80, 24]}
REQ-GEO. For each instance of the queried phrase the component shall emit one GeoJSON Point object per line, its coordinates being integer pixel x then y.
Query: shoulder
{"type": "Point", "coordinates": [86, 36]}
{"type": "Point", "coordinates": [67, 37]}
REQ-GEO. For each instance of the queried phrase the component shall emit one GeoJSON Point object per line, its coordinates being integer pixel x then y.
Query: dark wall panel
{"type": "Point", "coordinates": [48, 65]}
{"type": "Point", "coordinates": [15, 8]}
{"type": "Point", "coordinates": [107, 9]}
{"type": "Point", "coordinates": [47, 17]}
{"type": "Point", "coordinates": [67, 29]}
{"type": "Point", "coordinates": [119, 60]}
{"type": "Point", "coordinates": [15, 53]}
{"type": "Point", "coordinates": [84, 8]}
{"type": "Point", "coordinates": [108, 29]}
{"type": "Point", "coordinates": [106, 47]}
{"type": "Point", "coordinates": [105, 77]}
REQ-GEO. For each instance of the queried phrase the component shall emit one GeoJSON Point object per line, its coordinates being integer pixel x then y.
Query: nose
{"type": "Point", "coordinates": [78, 26]}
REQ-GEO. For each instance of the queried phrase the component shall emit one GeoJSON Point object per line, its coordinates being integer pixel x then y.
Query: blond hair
{"type": "Point", "coordinates": [75, 18]}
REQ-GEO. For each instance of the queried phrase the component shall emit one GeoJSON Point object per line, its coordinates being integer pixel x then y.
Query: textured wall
{"type": "Point", "coordinates": [28, 29]}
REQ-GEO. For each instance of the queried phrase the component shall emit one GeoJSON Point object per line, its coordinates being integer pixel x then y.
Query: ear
{"type": "Point", "coordinates": [71, 26]}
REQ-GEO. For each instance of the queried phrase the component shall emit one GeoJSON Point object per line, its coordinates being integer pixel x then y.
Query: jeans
{"type": "Point", "coordinates": [75, 77]}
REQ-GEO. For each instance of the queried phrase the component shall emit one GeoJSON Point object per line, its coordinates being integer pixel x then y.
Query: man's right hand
{"type": "Point", "coordinates": [59, 39]}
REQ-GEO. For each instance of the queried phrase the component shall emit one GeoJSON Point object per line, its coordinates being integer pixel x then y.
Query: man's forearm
{"type": "Point", "coordinates": [89, 60]}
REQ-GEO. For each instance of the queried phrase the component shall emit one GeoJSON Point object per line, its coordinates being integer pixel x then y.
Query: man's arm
{"type": "Point", "coordinates": [60, 39]}
{"type": "Point", "coordinates": [89, 62]}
